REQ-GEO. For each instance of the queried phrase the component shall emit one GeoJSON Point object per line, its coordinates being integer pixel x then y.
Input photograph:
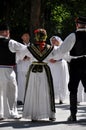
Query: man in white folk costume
{"type": "Point", "coordinates": [8, 85]}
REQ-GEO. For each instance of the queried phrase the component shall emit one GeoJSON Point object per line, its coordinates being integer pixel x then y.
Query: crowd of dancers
{"type": "Point", "coordinates": [36, 75]}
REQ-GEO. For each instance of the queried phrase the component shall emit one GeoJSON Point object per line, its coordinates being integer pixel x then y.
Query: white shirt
{"type": "Point", "coordinates": [17, 47]}
{"type": "Point", "coordinates": [64, 50]}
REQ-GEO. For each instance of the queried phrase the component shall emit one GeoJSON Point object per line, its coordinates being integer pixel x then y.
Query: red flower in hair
{"type": "Point", "coordinates": [36, 31]}
{"type": "Point", "coordinates": [40, 31]}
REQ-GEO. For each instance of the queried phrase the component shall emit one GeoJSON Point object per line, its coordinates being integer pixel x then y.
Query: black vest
{"type": "Point", "coordinates": [79, 48]}
{"type": "Point", "coordinates": [6, 56]}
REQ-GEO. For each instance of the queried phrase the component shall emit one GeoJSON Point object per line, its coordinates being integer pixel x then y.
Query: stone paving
{"type": "Point", "coordinates": [61, 123]}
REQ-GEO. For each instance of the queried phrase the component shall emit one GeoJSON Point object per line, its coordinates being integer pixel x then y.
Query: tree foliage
{"type": "Point", "coordinates": [61, 15]}
{"type": "Point", "coordinates": [56, 16]}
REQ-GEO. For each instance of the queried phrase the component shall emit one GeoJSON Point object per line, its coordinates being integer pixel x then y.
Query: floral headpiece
{"type": "Point", "coordinates": [40, 34]}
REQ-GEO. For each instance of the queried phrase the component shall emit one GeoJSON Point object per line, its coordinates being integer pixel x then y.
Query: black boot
{"type": "Point", "coordinates": [73, 107]}
{"type": "Point", "coordinates": [72, 118]}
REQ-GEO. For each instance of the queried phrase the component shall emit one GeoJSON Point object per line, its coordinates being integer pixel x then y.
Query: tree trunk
{"type": "Point", "coordinates": [35, 16]}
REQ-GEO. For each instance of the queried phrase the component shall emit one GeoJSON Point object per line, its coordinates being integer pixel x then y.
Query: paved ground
{"type": "Point", "coordinates": [62, 112]}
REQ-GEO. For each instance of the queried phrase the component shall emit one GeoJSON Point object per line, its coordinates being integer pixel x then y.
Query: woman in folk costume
{"type": "Point", "coordinates": [39, 97]}
{"type": "Point", "coordinates": [59, 70]}
{"type": "Point", "coordinates": [22, 68]}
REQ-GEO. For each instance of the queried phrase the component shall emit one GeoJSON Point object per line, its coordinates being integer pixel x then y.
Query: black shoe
{"type": "Point", "coordinates": [33, 120]}
{"type": "Point", "coordinates": [71, 118]}
{"type": "Point", "coordinates": [60, 102]}
{"type": "Point", "coordinates": [20, 103]}
{"type": "Point", "coordinates": [52, 119]}
{"type": "Point", "coordinates": [2, 118]}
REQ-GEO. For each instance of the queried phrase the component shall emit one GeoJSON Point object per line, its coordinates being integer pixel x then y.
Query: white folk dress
{"type": "Point", "coordinates": [22, 68]}
{"type": "Point", "coordinates": [81, 95]}
{"type": "Point", "coordinates": [37, 99]}
{"type": "Point", "coordinates": [60, 74]}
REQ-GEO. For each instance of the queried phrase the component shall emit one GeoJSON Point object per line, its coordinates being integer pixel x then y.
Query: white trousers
{"type": "Point", "coordinates": [8, 91]}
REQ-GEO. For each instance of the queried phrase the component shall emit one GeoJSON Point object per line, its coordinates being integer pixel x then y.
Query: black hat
{"type": "Point", "coordinates": [4, 26]}
{"type": "Point", "coordinates": [81, 20]}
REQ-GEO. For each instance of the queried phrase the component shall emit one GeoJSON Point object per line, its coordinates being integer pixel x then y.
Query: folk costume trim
{"type": "Point", "coordinates": [27, 80]}
{"type": "Point", "coordinates": [36, 67]}
{"type": "Point", "coordinates": [51, 87]}
{"type": "Point", "coordinates": [40, 56]}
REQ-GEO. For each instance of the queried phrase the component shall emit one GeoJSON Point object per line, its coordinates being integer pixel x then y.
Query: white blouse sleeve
{"type": "Point", "coordinates": [68, 43]}
{"type": "Point", "coordinates": [65, 47]}
{"type": "Point", "coordinates": [18, 48]}
{"type": "Point", "coordinates": [15, 46]}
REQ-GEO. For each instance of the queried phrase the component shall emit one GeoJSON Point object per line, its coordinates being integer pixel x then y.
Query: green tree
{"type": "Point", "coordinates": [56, 16]}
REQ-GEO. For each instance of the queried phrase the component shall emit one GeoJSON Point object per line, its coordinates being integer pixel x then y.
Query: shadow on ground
{"type": "Point", "coordinates": [29, 124]}
{"type": "Point", "coordinates": [23, 123]}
